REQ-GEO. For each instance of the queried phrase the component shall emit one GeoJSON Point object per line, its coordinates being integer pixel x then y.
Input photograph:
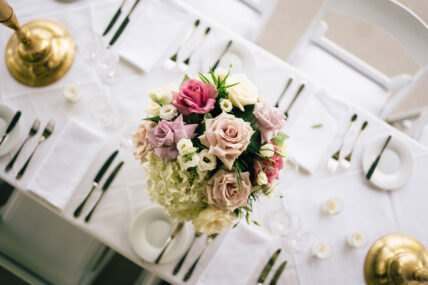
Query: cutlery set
{"type": "Point", "coordinates": [268, 267]}
{"type": "Point", "coordinates": [333, 161]}
{"type": "Point", "coordinates": [95, 184]}
{"type": "Point", "coordinates": [220, 57]}
{"type": "Point", "coordinates": [33, 131]}
{"type": "Point", "coordinates": [184, 65]}
{"type": "Point", "coordinates": [295, 97]}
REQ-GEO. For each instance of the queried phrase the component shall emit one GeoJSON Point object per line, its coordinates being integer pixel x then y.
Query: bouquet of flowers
{"type": "Point", "coordinates": [210, 148]}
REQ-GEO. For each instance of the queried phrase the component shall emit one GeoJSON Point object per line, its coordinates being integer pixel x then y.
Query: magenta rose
{"type": "Point", "coordinates": [165, 136]}
{"type": "Point", "coordinates": [195, 96]}
{"type": "Point", "coordinates": [270, 166]}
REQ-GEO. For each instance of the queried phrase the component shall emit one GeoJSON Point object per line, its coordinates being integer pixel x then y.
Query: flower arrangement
{"type": "Point", "coordinates": [210, 148]}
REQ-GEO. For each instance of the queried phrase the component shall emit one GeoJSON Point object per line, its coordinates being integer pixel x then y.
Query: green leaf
{"type": "Point", "coordinates": [279, 139]}
{"type": "Point", "coordinates": [154, 119]}
{"type": "Point", "coordinates": [316, 126]}
{"type": "Point", "coordinates": [248, 218]}
{"type": "Point", "coordinates": [185, 78]}
{"type": "Point", "coordinates": [246, 115]}
{"type": "Point", "coordinates": [203, 78]}
{"type": "Point", "coordinates": [257, 223]}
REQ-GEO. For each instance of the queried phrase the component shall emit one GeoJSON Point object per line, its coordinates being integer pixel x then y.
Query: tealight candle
{"type": "Point", "coordinates": [357, 240]}
{"type": "Point", "coordinates": [322, 250]}
{"type": "Point", "coordinates": [332, 206]}
{"type": "Point", "coordinates": [71, 92]}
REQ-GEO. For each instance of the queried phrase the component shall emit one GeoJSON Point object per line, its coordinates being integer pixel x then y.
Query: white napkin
{"type": "Point", "coordinates": [241, 256]}
{"type": "Point", "coordinates": [308, 144]}
{"type": "Point", "coordinates": [66, 164]}
{"type": "Point", "coordinates": [158, 27]}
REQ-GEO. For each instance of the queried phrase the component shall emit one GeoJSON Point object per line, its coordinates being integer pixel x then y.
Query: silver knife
{"type": "Point", "coordinates": [114, 19]}
{"type": "Point", "coordinates": [375, 163]}
{"type": "Point", "coordinates": [169, 240]}
{"type": "Point", "coordinates": [123, 25]}
{"type": "Point", "coordinates": [268, 267]}
{"type": "Point", "coordinates": [12, 125]}
{"type": "Point", "coordinates": [278, 273]}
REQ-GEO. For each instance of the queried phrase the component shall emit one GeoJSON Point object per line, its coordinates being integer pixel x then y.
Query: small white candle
{"type": "Point", "coordinates": [357, 240]}
{"type": "Point", "coordinates": [322, 250]}
{"type": "Point", "coordinates": [332, 206]}
{"type": "Point", "coordinates": [71, 92]}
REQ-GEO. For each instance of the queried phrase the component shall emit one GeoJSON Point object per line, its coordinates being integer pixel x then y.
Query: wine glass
{"type": "Point", "coordinates": [108, 66]}
{"type": "Point", "coordinates": [88, 43]}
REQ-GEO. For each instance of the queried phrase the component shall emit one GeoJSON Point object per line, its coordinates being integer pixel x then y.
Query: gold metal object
{"type": "Point", "coordinates": [38, 53]}
{"type": "Point", "coordinates": [396, 259]}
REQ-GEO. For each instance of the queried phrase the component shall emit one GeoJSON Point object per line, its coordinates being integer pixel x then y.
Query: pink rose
{"type": "Point", "coordinates": [269, 120]}
{"type": "Point", "coordinates": [195, 96]}
{"type": "Point", "coordinates": [223, 192]}
{"type": "Point", "coordinates": [165, 136]}
{"type": "Point", "coordinates": [270, 166]}
{"type": "Point", "coordinates": [226, 137]}
{"type": "Point", "coordinates": [139, 139]}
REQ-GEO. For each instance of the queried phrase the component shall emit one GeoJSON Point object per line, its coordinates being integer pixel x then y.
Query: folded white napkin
{"type": "Point", "coordinates": [153, 31]}
{"type": "Point", "coordinates": [240, 257]}
{"type": "Point", "coordinates": [313, 132]}
{"type": "Point", "coordinates": [65, 165]}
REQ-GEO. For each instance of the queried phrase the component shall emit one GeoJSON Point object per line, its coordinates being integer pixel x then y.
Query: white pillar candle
{"type": "Point", "coordinates": [357, 240]}
{"type": "Point", "coordinates": [322, 250]}
{"type": "Point", "coordinates": [332, 206]}
{"type": "Point", "coordinates": [71, 92]}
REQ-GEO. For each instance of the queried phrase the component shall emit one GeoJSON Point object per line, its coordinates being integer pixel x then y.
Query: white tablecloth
{"type": "Point", "coordinates": [110, 224]}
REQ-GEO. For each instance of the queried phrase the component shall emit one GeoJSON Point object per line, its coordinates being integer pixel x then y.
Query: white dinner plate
{"type": "Point", "coordinates": [6, 115]}
{"type": "Point", "coordinates": [238, 55]}
{"type": "Point", "coordinates": [149, 232]}
{"type": "Point", "coordinates": [395, 166]}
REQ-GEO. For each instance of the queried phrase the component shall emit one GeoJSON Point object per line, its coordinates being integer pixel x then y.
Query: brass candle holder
{"type": "Point", "coordinates": [38, 53]}
{"type": "Point", "coordinates": [396, 259]}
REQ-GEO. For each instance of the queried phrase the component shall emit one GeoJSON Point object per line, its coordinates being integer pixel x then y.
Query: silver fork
{"type": "Point", "coordinates": [180, 263]}
{"type": "Point", "coordinates": [46, 134]}
{"type": "Point", "coordinates": [190, 271]}
{"type": "Point", "coordinates": [33, 131]}
{"type": "Point", "coordinates": [290, 80]}
{"type": "Point", "coordinates": [346, 162]}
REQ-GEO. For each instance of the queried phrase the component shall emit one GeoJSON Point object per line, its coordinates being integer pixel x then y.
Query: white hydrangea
{"type": "Point", "coordinates": [168, 112]}
{"type": "Point", "coordinates": [226, 105]}
{"type": "Point", "coordinates": [184, 146]}
{"type": "Point", "coordinates": [267, 150]}
{"type": "Point", "coordinates": [207, 161]}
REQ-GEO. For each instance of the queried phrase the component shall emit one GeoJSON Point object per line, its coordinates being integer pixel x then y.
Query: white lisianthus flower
{"type": "Point", "coordinates": [267, 150]}
{"type": "Point", "coordinates": [226, 105]}
{"type": "Point", "coordinates": [262, 178]}
{"type": "Point", "coordinates": [153, 108]}
{"type": "Point", "coordinates": [168, 112]}
{"type": "Point", "coordinates": [187, 161]}
{"type": "Point", "coordinates": [207, 161]}
{"type": "Point", "coordinates": [184, 145]}
{"type": "Point", "coordinates": [242, 94]}
{"type": "Point", "coordinates": [163, 96]}
{"type": "Point", "coordinates": [212, 220]}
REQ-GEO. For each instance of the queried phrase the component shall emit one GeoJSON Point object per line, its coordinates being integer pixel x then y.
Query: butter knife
{"type": "Point", "coordinates": [12, 125]}
{"type": "Point", "coordinates": [221, 55]}
{"type": "Point", "coordinates": [169, 241]}
{"type": "Point", "coordinates": [114, 19]}
{"type": "Point", "coordinates": [123, 25]}
{"type": "Point", "coordinates": [104, 189]}
{"type": "Point", "coordinates": [97, 179]}
{"type": "Point", "coordinates": [268, 267]}
{"type": "Point", "coordinates": [375, 163]}
{"type": "Point", "coordinates": [278, 273]}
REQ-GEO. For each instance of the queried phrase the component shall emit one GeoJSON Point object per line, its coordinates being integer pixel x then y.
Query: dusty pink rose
{"type": "Point", "coordinates": [165, 136]}
{"type": "Point", "coordinates": [270, 166]}
{"type": "Point", "coordinates": [269, 120]}
{"type": "Point", "coordinates": [226, 137]}
{"type": "Point", "coordinates": [195, 96]}
{"type": "Point", "coordinates": [139, 139]}
{"type": "Point", "coordinates": [223, 192]}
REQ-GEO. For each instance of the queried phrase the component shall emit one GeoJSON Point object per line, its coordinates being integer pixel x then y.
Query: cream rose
{"type": "Point", "coordinates": [223, 191]}
{"type": "Point", "coordinates": [226, 137]}
{"type": "Point", "coordinates": [163, 96]}
{"type": "Point", "coordinates": [139, 139]}
{"type": "Point", "coordinates": [153, 108]}
{"type": "Point", "coordinates": [211, 221]}
{"type": "Point", "coordinates": [242, 94]}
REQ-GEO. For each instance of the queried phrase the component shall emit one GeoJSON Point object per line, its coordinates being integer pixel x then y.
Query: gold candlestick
{"type": "Point", "coordinates": [38, 53]}
{"type": "Point", "coordinates": [396, 259]}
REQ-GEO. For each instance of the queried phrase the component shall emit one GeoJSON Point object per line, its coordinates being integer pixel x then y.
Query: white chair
{"type": "Point", "coordinates": [346, 75]}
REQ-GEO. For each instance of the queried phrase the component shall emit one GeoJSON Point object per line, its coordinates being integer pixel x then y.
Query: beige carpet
{"type": "Point", "coordinates": [291, 18]}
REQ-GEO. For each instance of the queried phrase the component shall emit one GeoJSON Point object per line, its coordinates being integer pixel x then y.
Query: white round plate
{"type": "Point", "coordinates": [238, 55]}
{"type": "Point", "coordinates": [395, 165]}
{"type": "Point", "coordinates": [6, 115]}
{"type": "Point", "coordinates": [149, 232]}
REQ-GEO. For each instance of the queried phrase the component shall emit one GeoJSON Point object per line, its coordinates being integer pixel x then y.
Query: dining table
{"type": "Point", "coordinates": [238, 255]}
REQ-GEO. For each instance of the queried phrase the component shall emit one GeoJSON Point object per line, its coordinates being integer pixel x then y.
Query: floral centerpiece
{"type": "Point", "coordinates": [210, 148]}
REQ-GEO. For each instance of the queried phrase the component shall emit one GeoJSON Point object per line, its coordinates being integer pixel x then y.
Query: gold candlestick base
{"type": "Point", "coordinates": [42, 55]}
{"type": "Point", "coordinates": [396, 259]}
